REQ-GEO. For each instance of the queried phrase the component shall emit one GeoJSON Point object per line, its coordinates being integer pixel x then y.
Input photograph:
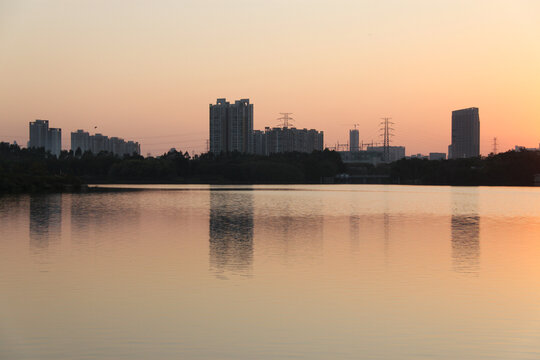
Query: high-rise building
{"type": "Point", "coordinates": [39, 133]}
{"type": "Point", "coordinates": [218, 125]}
{"type": "Point", "coordinates": [55, 141]}
{"type": "Point", "coordinates": [259, 142]}
{"type": "Point", "coordinates": [41, 136]}
{"type": "Point", "coordinates": [231, 126]}
{"type": "Point", "coordinates": [465, 134]}
{"type": "Point", "coordinates": [80, 140]}
{"type": "Point", "coordinates": [100, 143]}
{"type": "Point", "coordinates": [354, 140]}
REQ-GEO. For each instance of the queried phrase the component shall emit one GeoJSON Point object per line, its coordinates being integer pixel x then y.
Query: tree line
{"type": "Point", "coordinates": [27, 170]}
{"type": "Point", "coordinates": [30, 170]}
{"type": "Point", "coordinates": [512, 168]}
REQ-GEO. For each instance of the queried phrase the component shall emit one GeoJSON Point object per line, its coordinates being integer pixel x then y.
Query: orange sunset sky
{"type": "Point", "coordinates": [147, 70]}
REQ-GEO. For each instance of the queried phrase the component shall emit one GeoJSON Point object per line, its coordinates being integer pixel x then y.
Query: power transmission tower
{"type": "Point", "coordinates": [285, 120]}
{"type": "Point", "coordinates": [386, 134]}
{"type": "Point", "coordinates": [494, 146]}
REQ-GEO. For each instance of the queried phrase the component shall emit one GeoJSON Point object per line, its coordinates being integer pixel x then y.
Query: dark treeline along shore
{"type": "Point", "coordinates": [28, 170]}
{"type": "Point", "coordinates": [34, 170]}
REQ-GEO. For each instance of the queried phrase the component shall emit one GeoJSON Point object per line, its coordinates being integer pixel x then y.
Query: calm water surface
{"type": "Point", "coordinates": [272, 272]}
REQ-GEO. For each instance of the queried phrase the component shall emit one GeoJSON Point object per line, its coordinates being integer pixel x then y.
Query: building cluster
{"type": "Point", "coordinates": [369, 153]}
{"type": "Point", "coordinates": [465, 143]}
{"type": "Point", "coordinates": [373, 154]}
{"type": "Point", "coordinates": [285, 139]}
{"type": "Point", "coordinates": [41, 136]}
{"type": "Point", "coordinates": [519, 148]}
{"type": "Point", "coordinates": [231, 129]}
{"type": "Point", "coordinates": [83, 141]}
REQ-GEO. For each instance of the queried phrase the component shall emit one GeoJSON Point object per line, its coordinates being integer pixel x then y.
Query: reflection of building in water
{"type": "Point", "coordinates": [95, 216]}
{"type": "Point", "coordinates": [354, 230]}
{"type": "Point", "coordinates": [370, 233]}
{"type": "Point", "coordinates": [45, 220]}
{"type": "Point", "coordinates": [466, 243]}
{"type": "Point", "coordinates": [292, 237]}
{"type": "Point", "coordinates": [465, 231]}
{"type": "Point", "coordinates": [231, 231]}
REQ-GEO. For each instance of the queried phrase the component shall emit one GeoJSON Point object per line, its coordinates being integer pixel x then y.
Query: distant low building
{"type": "Point", "coordinates": [437, 156]}
{"type": "Point", "coordinates": [523, 148]}
{"type": "Point", "coordinates": [419, 156]}
{"type": "Point", "coordinates": [395, 153]}
{"type": "Point", "coordinates": [362, 157]}
{"type": "Point", "coordinates": [284, 139]}
{"type": "Point", "coordinates": [97, 143]}
{"type": "Point", "coordinates": [354, 140]}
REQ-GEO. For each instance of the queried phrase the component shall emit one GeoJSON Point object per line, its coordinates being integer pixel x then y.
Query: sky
{"type": "Point", "coordinates": [148, 70]}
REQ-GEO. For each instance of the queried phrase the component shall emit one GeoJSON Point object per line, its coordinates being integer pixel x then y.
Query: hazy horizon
{"type": "Point", "coordinates": [147, 71]}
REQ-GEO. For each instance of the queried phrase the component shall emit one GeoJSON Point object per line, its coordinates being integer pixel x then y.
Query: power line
{"type": "Point", "coordinates": [285, 120]}
{"type": "Point", "coordinates": [187, 141]}
{"type": "Point", "coordinates": [169, 135]}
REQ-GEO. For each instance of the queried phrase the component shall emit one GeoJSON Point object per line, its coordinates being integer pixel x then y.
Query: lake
{"type": "Point", "coordinates": [271, 272]}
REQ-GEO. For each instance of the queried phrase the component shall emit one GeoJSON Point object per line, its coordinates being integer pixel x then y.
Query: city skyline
{"type": "Point", "coordinates": [224, 137]}
{"type": "Point", "coordinates": [115, 66]}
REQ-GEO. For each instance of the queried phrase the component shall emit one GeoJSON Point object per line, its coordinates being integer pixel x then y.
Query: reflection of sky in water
{"type": "Point", "coordinates": [320, 272]}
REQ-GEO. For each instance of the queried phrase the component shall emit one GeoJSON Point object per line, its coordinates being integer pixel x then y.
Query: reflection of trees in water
{"type": "Point", "coordinates": [466, 243]}
{"type": "Point", "coordinates": [45, 220]}
{"type": "Point", "coordinates": [231, 231]}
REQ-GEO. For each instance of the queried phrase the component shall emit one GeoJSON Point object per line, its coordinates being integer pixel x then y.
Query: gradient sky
{"type": "Point", "coordinates": [147, 70]}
